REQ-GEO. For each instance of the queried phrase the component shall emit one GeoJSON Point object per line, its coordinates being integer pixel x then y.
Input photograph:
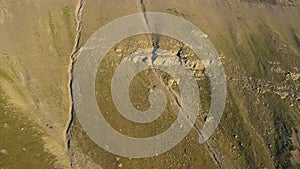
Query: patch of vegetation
{"type": "Point", "coordinates": [68, 19]}
{"type": "Point", "coordinates": [5, 75]}
{"type": "Point", "coordinates": [175, 12]}
{"type": "Point", "coordinates": [265, 116]}
{"type": "Point", "coordinates": [67, 14]}
{"type": "Point", "coordinates": [10, 78]}
{"type": "Point", "coordinates": [255, 129]}
{"type": "Point", "coordinates": [283, 124]}
{"type": "Point", "coordinates": [297, 38]}
{"type": "Point", "coordinates": [188, 154]}
{"type": "Point", "coordinates": [21, 144]}
{"type": "Point", "coordinates": [56, 38]}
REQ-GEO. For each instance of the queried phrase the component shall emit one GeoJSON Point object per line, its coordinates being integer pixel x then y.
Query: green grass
{"type": "Point", "coordinates": [174, 11]}
{"type": "Point", "coordinates": [263, 132]}
{"type": "Point", "coordinates": [21, 138]}
{"type": "Point", "coordinates": [185, 154]}
{"type": "Point", "coordinates": [6, 76]}
{"type": "Point", "coordinates": [68, 19]}
{"type": "Point", "coordinates": [56, 35]}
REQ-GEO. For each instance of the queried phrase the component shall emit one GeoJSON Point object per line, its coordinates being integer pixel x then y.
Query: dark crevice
{"type": "Point", "coordinates": [179, 55]}
{"type": "Point", "coordinates": [73, 56]}
{"type": "Point", "coordinates": [144, 11]}
{"type": "Point", "coordinates": [154, 37]}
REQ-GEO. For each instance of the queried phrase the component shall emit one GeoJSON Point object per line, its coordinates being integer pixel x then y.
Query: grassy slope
{"type": "Point", "coordinates": [21, 139]}
{"type": "Point", "coordinates": [37, 38]}
{"type": "Point", "coordinates": [257, 124]}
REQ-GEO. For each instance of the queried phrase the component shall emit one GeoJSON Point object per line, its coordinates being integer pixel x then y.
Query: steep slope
{"type": "Point", "coordinates": [258, 45]}
{"type": "Point", "coordinates": [258, 42]}
{"type": "Point", "coordinates": [36, 43]}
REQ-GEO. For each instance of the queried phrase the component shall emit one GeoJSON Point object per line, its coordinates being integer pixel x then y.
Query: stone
{"type": "Point", "coordinates": [6, 125]}
{"type": "Point", "coordinates": [4, 152]}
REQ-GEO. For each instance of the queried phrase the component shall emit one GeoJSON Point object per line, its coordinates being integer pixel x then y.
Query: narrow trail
{"type": "Point", "coordinates": [75, 51]}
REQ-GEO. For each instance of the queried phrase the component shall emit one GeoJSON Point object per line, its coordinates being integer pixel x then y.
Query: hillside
{"type": "Point", "coordinates": [258, 42]}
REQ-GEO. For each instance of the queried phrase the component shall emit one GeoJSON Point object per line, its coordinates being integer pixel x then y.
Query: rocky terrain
{"type": "Point", "coordinates": [259, 45]}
